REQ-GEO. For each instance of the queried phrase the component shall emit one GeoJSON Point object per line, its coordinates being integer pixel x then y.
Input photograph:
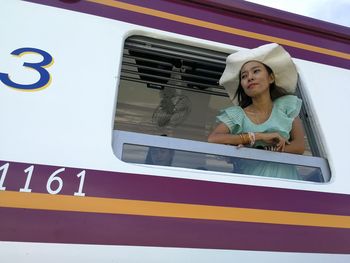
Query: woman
{"type": "Point", "coordinates": [261, 82]}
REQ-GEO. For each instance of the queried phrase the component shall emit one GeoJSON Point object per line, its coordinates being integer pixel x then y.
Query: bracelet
{"type": "Point", "coordinates": [245, 139]}
{"type": "Point", "coordinates": [251, 138]}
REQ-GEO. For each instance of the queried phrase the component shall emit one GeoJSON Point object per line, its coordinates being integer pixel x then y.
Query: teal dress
{"type": "Point", "coordinates": [285, 110]}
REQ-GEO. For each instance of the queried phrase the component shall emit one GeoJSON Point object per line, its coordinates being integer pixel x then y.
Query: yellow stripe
{"type": "Point", "coordinates": [166, 209]}
{"type": "Point", "coordinates": [221, 28]}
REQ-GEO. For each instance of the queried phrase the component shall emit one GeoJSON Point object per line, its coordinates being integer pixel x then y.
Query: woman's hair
{"type": "Point", "coordinates": [244, 100]}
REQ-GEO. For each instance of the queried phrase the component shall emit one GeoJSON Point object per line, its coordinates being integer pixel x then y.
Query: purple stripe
{"type": "Point", "coordinates": [246, 22]}
{"type": "Point", "coordinates": [90, 228]}
{"type": "Point", "coordinates": [278, 16]}
{"type": "Point", "coordinates": [165, 189]}
{"type": "Point", "coordinates": [283, 31]}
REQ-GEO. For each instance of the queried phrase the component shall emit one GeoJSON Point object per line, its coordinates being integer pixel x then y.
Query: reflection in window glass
{"type": "Point", "coordinates": [202, 161]}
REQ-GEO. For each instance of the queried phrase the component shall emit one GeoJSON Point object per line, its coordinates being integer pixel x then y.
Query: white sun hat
{"type": "Point", "coordinates": [273, 56]}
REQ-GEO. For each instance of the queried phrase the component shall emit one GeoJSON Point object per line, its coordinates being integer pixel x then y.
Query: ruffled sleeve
{"type": "Point", "coordinates": [289, 105]}
{"type": "Point", "coordinates": [232, 117]}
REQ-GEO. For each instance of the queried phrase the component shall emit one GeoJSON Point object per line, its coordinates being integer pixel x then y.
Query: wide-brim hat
{"type": "Point", "coordinates": [273, 56]}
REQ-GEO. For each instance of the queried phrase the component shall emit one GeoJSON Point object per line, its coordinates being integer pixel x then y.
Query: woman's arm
{"type": "Point", "coordinates": [221, 134]}
{"type": "Point", "coordinates": [279, 144]}
{"type": "Point", "coordinates": [296, 143]}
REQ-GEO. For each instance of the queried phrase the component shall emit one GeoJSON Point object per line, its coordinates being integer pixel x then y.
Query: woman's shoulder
{"type": "Point", "coordinates": [232, 110]}
{"type": "Point", "coordinates": [234, 113]}
{"type": "Point", "coordinates": [232, 117]}
{"type": "Point", "coordinates": [287, 100]}
{"type": "Point", "coordinates": [289, 104]}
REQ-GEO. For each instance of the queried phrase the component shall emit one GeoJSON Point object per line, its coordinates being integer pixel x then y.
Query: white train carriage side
{"type": "Point", "coordinates": [87, 87]}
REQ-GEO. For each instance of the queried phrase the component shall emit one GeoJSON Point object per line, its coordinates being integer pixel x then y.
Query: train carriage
{"type": "Point", "coordinates": [89, 89]}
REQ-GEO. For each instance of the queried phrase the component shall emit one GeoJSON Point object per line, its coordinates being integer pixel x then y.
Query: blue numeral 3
{"type": "Point", "coordinates": [40, 67]}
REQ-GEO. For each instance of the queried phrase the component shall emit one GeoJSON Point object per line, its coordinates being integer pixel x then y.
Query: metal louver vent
{"type": "Point", "coordinates": [159, 64]}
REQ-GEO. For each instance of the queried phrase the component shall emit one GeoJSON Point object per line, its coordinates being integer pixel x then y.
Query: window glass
{"type": "Point", "coordinates": [169, 88]}
{"type": "Point", "coordinates": [178, 158]}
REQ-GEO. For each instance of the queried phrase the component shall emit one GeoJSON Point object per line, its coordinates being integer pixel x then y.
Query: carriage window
{"type": "Point", "coordinates": [203, 161]}
{"type": "Point", "coordinates": [172, 89]}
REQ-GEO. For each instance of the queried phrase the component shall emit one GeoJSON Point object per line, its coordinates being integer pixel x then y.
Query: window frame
{"type": "Point", "coordinates": [170, 48]}
{"type": "Point", "coordinates": [124, 137]}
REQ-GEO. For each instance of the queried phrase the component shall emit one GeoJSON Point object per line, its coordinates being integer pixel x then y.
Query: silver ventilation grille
{"type": "Point", "coordinates": [160, 64]}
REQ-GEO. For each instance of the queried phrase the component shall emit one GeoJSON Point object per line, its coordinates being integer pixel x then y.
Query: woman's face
{"type": "Point", "coordinates": [255, 79]}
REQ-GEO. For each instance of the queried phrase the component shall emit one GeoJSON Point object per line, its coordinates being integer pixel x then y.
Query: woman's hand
{"type": "Point", "coordinates": [274, 140]}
